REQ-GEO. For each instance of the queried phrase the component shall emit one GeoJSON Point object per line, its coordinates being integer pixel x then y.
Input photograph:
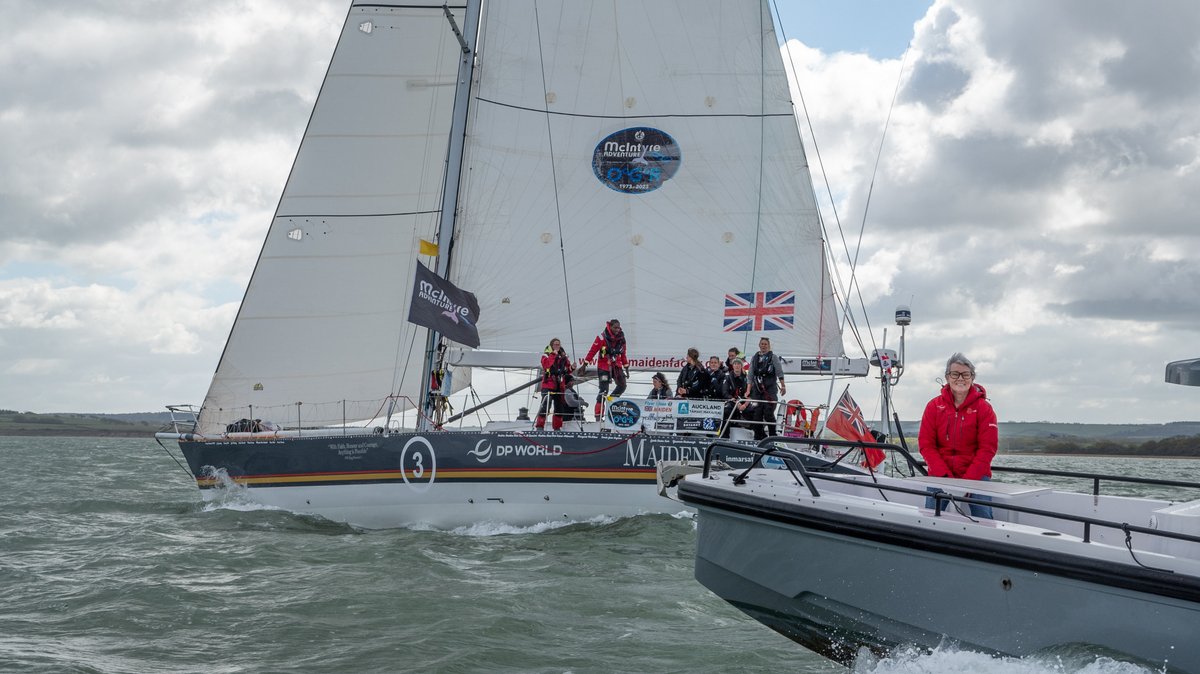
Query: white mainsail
{"type": "Point", "coordinates": [323, 321]}
{"type": "Point", "coordinates": [553, 250]}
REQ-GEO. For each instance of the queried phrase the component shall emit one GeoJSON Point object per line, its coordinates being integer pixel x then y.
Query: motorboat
{"type": "Point", "coordinates": [842, 561]}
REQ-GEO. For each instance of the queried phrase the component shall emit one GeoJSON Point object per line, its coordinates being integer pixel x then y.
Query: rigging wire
{"type": "Point", "coordinates": [177, 463]}
{"type": "Point", "coordinates": [853, 285]}
{"type": "Point", "coordinates": [400, 374]}
{"type": "Point", "coordinates": [762, 141]}
{"type": "Point", "coordinates": [562, 251]}
{"type": "Point", "coordinates": [837, 275]}
{"type": "Point", "coordinates": [878, 155]}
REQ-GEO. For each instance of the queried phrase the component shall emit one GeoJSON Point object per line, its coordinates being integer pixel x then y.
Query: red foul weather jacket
{"type": "Point", "coordinates": [605, 342]}
{"type": "Point", "coordinates": [959, 442]}
{"type": "Point", "coordinates": [555, 369]}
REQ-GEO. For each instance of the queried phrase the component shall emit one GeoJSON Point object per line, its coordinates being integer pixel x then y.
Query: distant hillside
{"type": "Point", "coordinates": [145, 424]}
{"type": "Point", "coordinates": [1126, 432]}
{"type": "Point", "coordinates": [1052, 429]}
{"type": "Point", "coordinates": [152, 417]}
{"type": "Point", "coordinates": [1180, 438]}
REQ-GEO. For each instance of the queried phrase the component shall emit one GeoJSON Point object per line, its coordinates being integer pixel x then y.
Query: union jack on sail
{"type": "Point", "coordinates": [770, 310]}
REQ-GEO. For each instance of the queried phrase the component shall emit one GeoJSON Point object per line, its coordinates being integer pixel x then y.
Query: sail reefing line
{"type": "Point", "coordinates": [665, 115]}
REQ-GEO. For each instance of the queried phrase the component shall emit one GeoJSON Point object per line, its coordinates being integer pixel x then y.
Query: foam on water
{"type": "Point", "coordinates": [229, 495]}
{"type": "Point", "coordinates": [948, 660]}
{"type": "Point", "coordinates": [484, 529]}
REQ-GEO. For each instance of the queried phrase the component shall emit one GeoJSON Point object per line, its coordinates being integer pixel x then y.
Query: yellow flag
{"type": "Point", "coordinates": [428, 248]}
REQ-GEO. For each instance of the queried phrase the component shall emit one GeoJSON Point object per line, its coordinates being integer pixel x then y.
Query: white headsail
{"type": "Point", "coordinates": [323, 319]}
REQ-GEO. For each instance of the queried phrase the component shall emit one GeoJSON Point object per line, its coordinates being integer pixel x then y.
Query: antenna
{"type": "Point", "coordinates": [891, 365]}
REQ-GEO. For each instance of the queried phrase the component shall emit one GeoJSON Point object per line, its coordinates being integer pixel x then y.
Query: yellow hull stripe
{"type": "Point", "coordinates": [393, 475]}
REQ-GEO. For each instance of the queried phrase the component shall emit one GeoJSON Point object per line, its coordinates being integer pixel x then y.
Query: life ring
{"type": "Point", "coordinates": [797, 422]}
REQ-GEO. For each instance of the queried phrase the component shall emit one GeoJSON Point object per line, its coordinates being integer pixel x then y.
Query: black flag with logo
{"type": "Point", "coordinates": [439, 305]}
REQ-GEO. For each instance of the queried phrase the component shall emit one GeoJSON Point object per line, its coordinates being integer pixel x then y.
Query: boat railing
{"type": "Point", "coordinates": [183, 418]}
{"type": "Point", "coordinates": [1088, 522]}
{"type": "Point", "coordinates": [776, 447]}
{"type": "Point", "coordinates": [764, 447]}
{"type": "Point", "coordinates": [916, 465]}
{"type": "Point", "coordinates": [333, 417]}
{"type": "Point", "coordinates": [1097, 478]}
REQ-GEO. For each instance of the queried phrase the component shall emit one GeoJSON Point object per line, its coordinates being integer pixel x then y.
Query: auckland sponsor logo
{"type": "Point", "coordinates": [484, 450]}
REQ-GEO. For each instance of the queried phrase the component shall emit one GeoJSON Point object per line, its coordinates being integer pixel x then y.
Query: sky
{"type": "Point", "coordinates": [1035, 202]}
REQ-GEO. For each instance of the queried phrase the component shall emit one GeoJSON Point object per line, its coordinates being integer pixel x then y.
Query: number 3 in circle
{"type": "Point", "coordinates": [418, 461]}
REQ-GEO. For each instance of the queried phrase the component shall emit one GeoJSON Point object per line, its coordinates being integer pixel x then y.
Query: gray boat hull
{"type": "Point", "coordinates": [835, 584]}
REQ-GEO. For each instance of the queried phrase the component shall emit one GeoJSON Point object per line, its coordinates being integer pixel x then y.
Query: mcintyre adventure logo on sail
{"type": "Point", "coordinates": [636, 160]}
{"type": "Point", "coordinates": [440, 305]}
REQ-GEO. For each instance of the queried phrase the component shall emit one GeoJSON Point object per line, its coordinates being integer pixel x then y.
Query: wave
{"type": "Point", "coordinates": [949, 660]}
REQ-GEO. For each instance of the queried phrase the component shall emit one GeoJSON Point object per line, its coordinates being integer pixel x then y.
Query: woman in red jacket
{"type": "Point", "coordinates": [958, 436]}
{"type": "Point", "coordinates": [610, 345]}
{"type": "Point", "coordinates": [556, 368]}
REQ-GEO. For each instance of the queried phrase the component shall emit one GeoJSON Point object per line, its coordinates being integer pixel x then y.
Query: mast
{"type": "Point", "coordinates": [468, 38]}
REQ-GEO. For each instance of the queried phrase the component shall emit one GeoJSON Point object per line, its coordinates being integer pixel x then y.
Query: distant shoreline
{"type": "Point", "coordinates": [19, 433]}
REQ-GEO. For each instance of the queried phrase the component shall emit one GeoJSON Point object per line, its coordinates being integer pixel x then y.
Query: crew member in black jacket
{"type": "Point", "coordinates": [693, 381]}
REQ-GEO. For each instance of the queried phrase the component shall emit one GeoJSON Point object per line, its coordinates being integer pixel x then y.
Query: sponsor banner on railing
{"type": "Point", "coordinates": [666, 416]}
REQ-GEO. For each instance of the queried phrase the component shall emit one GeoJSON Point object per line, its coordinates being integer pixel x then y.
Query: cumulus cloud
{"type": "Point", "coordinates": [1036, 202]}
{"type": "Point", "coordinates": [145, 146]}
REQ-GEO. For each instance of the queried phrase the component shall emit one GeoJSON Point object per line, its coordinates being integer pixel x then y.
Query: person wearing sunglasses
{"type": "Point", "coordinates": [959, 436]}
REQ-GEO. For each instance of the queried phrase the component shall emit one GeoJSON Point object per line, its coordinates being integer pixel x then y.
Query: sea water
{"type": "Point", "coordinates": [109, 562]}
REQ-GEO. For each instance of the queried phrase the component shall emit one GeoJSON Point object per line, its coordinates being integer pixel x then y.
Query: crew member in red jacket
{"type": "Point", "coordinates": [556, 368]}
{"type": "Point", "coordinates": [959, 435]}
{"type": "Point", "coordinates": [610, 345]}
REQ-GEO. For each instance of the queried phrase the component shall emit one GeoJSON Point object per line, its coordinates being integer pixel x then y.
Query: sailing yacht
{"type": "Point", "coordinates": [555, 164]}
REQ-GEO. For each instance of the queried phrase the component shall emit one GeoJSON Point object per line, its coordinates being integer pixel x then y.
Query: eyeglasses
{"type": "Point", "coordinates": [959, 375]}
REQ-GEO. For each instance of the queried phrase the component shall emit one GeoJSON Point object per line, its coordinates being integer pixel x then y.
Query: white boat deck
{"type": "Point", "coordinates": [955, 485]}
